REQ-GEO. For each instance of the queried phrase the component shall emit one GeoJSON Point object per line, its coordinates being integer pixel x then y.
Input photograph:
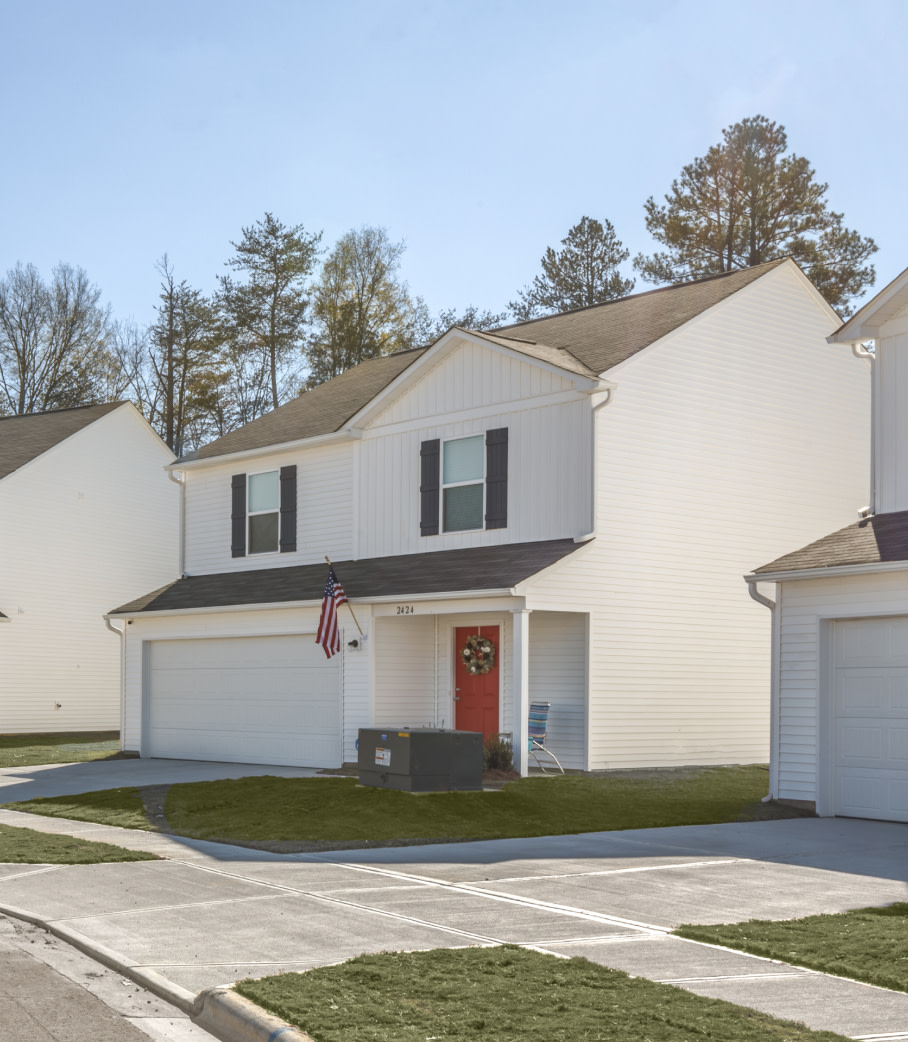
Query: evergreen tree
{"type": "Point", "coordinates": [746, 202]}
{"type": "Point", "coordinates": [265, 315]}
{"type": "Point", "coordinates": [585, 271]}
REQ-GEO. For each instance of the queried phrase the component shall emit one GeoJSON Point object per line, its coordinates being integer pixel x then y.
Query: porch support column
{"type": "Point", "coordinates": [520, 686]}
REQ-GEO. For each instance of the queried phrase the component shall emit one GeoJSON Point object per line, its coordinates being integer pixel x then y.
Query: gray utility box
{"type": "Point", "coordinates": [425, 759]}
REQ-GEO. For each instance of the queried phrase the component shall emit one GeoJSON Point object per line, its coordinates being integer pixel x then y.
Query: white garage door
{"type": "Point", "coordinates": [871, 718]}
{"type": "Point", "coordinates": [248, 700]}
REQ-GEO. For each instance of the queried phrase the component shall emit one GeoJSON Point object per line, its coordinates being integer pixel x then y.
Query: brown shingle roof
{"type": "Point", "coordinates": [872, 540]}
{"type": "Point", "coordinates": [587, 341]}
{"type": "Point", "coordinates": [443, 571]}
{"type": "Point", "coordinates": [24, 438]}
{"type": "Point", "coordinates": [603, 335]}
{"type": "Point", "coordinates": [323, 410]}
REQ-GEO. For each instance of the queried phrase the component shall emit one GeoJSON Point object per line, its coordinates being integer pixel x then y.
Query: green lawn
{"type": "Point", "coordinates": [340, 810]}
{"type": "Point", "coordinates": [502, 995]}
{"type": "Point", "coordinates": [20, 846]}
{"type": "Point", "coordinates": [866, 944]}
{"type": "Point", "coordinates": [26, 750]}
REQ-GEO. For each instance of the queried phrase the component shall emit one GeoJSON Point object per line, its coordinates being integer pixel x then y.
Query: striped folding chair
{"type": "Point", "coordinates": [539, 718]}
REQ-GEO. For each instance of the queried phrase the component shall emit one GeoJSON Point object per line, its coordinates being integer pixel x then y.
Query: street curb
{"type": "Point", "coordinates": [236, 1019]}
{"type": "Point", "coordinates": [220, 1011]}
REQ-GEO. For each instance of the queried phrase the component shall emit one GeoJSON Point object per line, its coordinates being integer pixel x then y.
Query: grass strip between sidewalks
{"type": "Point", "coordinates": [27, 750]}
{"type": "Point", "coordinates": [340, 810]}
{"type": "Point", "coordinates": [866, 944]}
{"type": "Point", "coordinates": [502, 994]}
{"type": "Point", "coordinates": [21, 846]}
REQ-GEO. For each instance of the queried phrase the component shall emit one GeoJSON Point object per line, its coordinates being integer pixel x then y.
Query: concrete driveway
{"type": "Point", "coordinates": [211, 914]}
{"type": "Point", "coordinates": [67, 779]}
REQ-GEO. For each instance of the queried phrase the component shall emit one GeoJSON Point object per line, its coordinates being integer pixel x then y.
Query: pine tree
{"type": "Point", "coordinates": [746, 202]}
{"type": "Point", "coordinates": [585, 271]}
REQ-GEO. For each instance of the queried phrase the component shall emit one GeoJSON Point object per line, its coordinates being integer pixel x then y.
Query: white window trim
{"type": "Point", "coordinates": [260, 513]}
{"type": "Point", "coordinates": [461, 484]}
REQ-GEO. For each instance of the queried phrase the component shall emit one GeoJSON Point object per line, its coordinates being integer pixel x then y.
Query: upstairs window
{"type": "Point", "coordinates": [264, 512]}
{"type": "Point", "coordinates": [463, 488]}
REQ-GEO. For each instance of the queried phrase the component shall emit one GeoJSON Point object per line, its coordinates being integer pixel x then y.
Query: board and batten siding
{"type": "Point", "coordinates": [405, 671]}
{"type": "Point", "coordinates": [324, 512]}
{"type": "Point", "coordinates": [890, 375]}
{"type": "Point", "coordinates": [356, 664]}
{"type": "Point", "coordinates": [89, 524]}
{"type": "Point", "coordinates": [549, 453]}
{"type": "Point", "coordinates": [732, 441]}
{"type": "Point", "coordinates": [807, 606]}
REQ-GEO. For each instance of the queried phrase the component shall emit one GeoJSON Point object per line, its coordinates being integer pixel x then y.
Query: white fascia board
{"type": "Point", "coordinates": [398, 598]}
{"type": "Point", "coordinates": [825, 573]}
{"type": "Point", "coordinates": [865, 323]}
{"type": "Point", "coordinates": [445, 346]}
{"type": "Point", "coordinates": [347, 434]}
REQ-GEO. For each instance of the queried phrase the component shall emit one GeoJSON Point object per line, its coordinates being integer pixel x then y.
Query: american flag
{"type": "Point", "coordinates": [328, 632]}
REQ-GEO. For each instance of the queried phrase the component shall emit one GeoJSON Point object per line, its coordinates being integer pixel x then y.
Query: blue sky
{"type": "Point", "coordinates": [477, 132]}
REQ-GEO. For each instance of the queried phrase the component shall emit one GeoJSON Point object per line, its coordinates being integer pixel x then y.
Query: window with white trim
{"type": "Point", "coordinates": [263, 512]}
{"type": "Point", "coordinates": [463, 484]}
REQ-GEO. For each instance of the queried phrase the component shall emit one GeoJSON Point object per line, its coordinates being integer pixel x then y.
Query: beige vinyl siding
{"type": "Point", "coordinates": [84, 527]}
{"type": "Point", "coordinates": [405, 671]}
{"type": "Point", "coordinates": [808, 605]}
{"type": "Point", "coordinates": [548, 479]}
{"type": "Point", "coordinates": [324, 510]}
{"type": "Point", "coordinates": [558, 663]}
{"type": "Point", "coordinates": [734, 440]}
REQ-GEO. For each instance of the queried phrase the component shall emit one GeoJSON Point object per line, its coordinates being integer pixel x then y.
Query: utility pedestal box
{"type": "Point", "coordinates": [424, 759]}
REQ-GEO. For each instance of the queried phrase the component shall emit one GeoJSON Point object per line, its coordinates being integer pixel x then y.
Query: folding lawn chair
{"type": "Point", "coordinates": [539, 716]}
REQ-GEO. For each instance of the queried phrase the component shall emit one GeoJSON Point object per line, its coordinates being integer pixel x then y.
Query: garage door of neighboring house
{"type": "Point", "coordinates": [274, 700]}
{"type": "Point", "coordinates": [871, 718]}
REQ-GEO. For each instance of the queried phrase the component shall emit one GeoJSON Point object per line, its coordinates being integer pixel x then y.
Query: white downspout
{"type": "Point", "coordinates": [121, 633]}
{"type": "Point", "coordinates": [181, 481]}
{"type": "Point", "coordinates": [774, 685]}
{"type": "Point", "coordinates": [860, 351]}
{"type": "Point", "coordinates": [591, 534]}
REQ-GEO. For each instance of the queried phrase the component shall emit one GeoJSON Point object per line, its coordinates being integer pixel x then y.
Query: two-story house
{"type": "Point", "coordinates": [840, 612]}
{"type": "Point", "coordinates": [87, 517]}
{"type": "Point", "coordinates": [583, 490]}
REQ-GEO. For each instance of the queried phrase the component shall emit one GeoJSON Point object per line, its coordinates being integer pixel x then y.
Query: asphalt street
{"type": "Point", "coordinates": [51, 991]}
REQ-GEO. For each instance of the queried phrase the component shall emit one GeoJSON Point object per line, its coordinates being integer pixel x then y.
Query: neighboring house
{"type": "Point", "coordinates": [585, 490]}
{"type": "Point", "coordinates": [88, 518]}
{"type": "Point", "coordinates": [840, 613]}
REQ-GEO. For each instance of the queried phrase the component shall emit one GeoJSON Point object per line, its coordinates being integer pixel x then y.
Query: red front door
{"type": "Point", "coordinates": [476, 694]}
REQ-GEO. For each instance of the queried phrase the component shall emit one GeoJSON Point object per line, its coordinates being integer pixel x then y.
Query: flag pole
{"type": "Point", "coordinates": [349, 605]}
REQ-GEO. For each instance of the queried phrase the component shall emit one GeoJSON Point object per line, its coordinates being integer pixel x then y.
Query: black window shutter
{"type": "Point", "coordinates": [238, 516]}
{"type": "Point", "coordinates": [497, 478]}
{"type": "Point", "coordinates": [288, 509]}
{"type": "Point", "coordinates": [429, 483]}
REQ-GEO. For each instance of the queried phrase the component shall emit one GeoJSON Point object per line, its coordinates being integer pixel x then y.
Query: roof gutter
{"type": "Point", "coordinates": [824, 573]}
{"type": "Point", "coordinates": [410, 598]}
{"type": "Point", "coordinates": [347, 434]}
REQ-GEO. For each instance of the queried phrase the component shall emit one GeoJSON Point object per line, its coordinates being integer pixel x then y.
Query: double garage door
{"type": "Point", "coordinates": [871, 718]}
{"type": "Point", "coordinates": [271, 700]}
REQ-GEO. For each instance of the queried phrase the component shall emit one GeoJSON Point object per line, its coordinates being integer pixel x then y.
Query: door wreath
{"type": "Point", "coordinates": [478, 655]}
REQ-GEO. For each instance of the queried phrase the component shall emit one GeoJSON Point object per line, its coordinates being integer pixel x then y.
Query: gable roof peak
{"type": "Point", "coordinates": [27, 436]}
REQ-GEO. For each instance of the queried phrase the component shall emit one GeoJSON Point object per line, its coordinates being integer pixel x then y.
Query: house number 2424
{"type": "Point", "coordinates": [406, 609]}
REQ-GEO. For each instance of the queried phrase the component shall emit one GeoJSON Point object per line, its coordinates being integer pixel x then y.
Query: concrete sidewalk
{"type": "Point", "coordinates": [212, 914]}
